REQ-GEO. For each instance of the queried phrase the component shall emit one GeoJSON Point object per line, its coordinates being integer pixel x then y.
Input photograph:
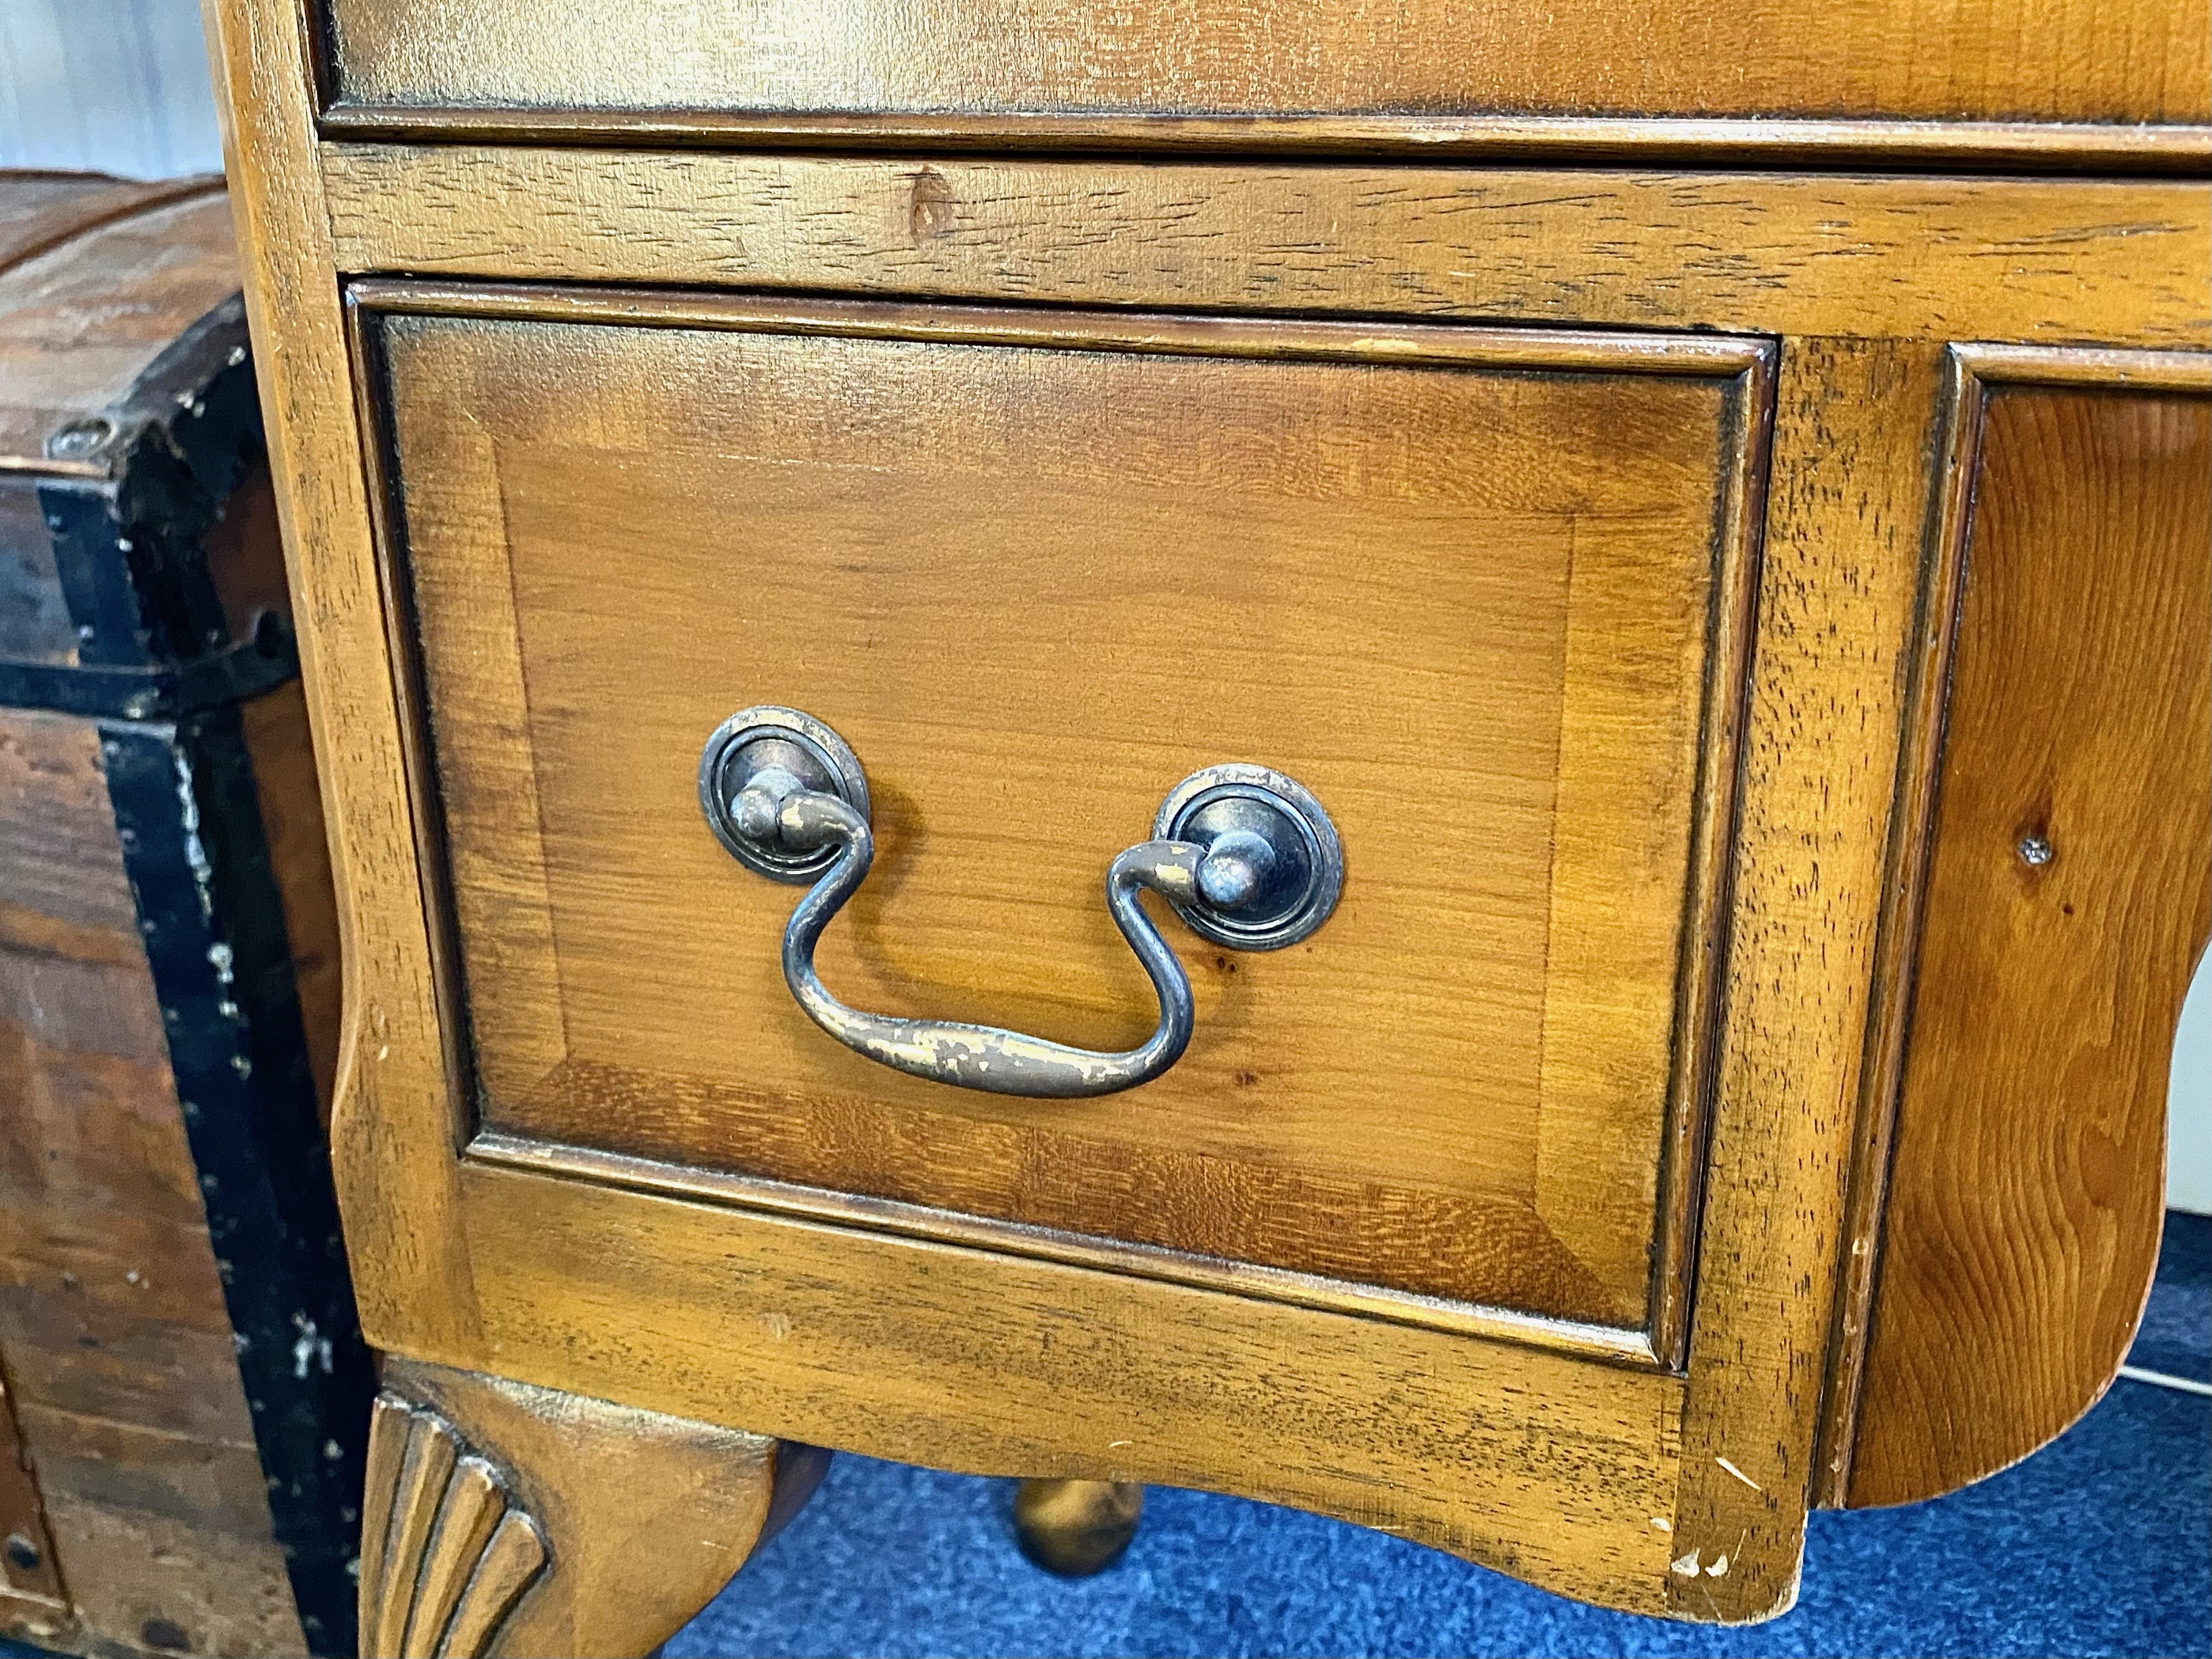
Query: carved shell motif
{"type": "Point", "coordinates": [444, 1552]}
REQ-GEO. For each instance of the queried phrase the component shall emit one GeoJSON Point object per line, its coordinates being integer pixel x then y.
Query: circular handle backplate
{"type": "Point", "coordinates": [1301, 879]}
{"type": "Point", "coordinates": [768, 738]}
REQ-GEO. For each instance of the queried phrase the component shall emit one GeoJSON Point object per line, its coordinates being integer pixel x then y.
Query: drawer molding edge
{"type": "Point", "coordinates": [790, 1201]}
{"type": "Point", "coordinates": [1739, 141]}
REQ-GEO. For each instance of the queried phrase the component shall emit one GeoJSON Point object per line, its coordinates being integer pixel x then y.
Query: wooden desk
{"type": "Point", "coordinates": [1712, 506]}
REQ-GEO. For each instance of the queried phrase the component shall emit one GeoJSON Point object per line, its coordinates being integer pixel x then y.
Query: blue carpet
{"type": "Point", "coordinates": [2176, 1337]}
{"type": "Point", "coordinates": [2100, 1544]}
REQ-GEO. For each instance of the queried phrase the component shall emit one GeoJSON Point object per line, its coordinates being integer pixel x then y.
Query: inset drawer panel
{"type": "Point", "coordinates": [1483, 591]}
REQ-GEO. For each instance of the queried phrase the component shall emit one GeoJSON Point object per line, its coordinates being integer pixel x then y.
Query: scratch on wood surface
{"type": "Point", "coordinates": [1739, 1474]}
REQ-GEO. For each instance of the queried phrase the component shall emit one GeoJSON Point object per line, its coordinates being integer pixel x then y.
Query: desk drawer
{"type": "Point", "coordinates": [1060, 71]}
{"type": "Point", "coordinates": [1484, 591]}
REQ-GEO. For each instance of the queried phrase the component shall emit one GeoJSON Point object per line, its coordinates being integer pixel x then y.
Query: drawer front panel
{"type": "Point", "coordinates": [1482, 590]}
{"type": "Point", "coordinates": [2001, 60]}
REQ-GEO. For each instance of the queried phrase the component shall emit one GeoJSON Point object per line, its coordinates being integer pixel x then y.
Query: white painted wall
{"type": "Point", "coordinates": [2189, 1107]}
{"type": "Point", "coordinates": [107, 86]}
{"type": "Point", "coordinates": [120, 86]}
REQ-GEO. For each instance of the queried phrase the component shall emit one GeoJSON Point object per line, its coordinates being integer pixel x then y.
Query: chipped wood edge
{"type": "Point", "coordinates": [1847, 472]}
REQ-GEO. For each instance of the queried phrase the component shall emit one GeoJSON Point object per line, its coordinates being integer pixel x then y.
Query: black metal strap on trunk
{"type": "Point", "coordinates": [159, 691]}
{"type": "Point", "coordinates": [209, 912]}
{"type": "Point", "coordinates": [127, 546]}
{"type": "Point", "coordinates": [156, 663]}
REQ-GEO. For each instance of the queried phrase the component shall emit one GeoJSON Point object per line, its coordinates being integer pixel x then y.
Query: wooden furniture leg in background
{"type": "Point", "coordinates": [503, 1518]}
{"type": "Point", "coordinates": [1077, 1528]}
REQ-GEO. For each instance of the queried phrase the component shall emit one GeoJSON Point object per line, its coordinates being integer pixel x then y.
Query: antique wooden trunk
{"type": "Point", "coordinates": [185, 1392]}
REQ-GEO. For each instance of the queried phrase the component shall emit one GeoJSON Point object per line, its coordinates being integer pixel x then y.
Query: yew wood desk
{"type": "Point", "coordinates": [1610, 601]}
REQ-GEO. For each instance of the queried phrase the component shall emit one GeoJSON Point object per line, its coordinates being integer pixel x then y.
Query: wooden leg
{"type": "Point", "coordinates": [1075, 1527]}
{"type": "Point", "coordinates": [527, 1522]}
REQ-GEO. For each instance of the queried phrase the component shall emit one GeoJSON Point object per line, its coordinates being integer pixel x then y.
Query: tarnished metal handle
{"type": "Point", "coordinates": [1244, 854]}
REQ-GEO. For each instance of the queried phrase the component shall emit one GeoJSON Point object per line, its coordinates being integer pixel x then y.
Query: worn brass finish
{"type": "Point", "coordinates": [1245, 855]}
{"type": "Point", "coordinates": [1077, 1528]}
{"type": "Point", "coordinates": [792, 748]}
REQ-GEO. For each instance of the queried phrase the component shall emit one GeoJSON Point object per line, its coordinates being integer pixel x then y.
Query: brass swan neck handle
{"type": "Point", "coordinates": [1244, 855]}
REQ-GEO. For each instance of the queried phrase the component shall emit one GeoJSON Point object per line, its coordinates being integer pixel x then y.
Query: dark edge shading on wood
{"type": "Point", "coordinates": [1744, 363]}
{"type": "Point", "coordinates": [425, 803]}
{"type": "Point", "coordinates": [1732, 627]}
{"type": "Point", "coordinates": [1969, 372]}
{"type": "Point", "coordinates": [1661, 141]}
{"type": "Point", "coordinates": [33, 1599]}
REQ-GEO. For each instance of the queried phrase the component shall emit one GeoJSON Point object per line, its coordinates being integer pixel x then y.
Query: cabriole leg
{"type": "Point", "coordinates": [523, 1521]}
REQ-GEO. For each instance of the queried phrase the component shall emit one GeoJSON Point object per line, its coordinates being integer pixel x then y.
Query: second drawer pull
{"type": "Point", "coordinates": [1246, 856]}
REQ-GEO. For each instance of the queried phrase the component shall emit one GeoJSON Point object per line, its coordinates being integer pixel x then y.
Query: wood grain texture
{"type": "Point", "coordinates": [521, 1521]}
{"type": "Point", "coordinates": [1989, 60]}
{"type": "Point", "coordinates": [34, 1604]}
{"type": "Point", "coordinates": [165, 1538]}
{"type": "Point", "coordinates": [83, 319]}
{"type": "Point", "coordinates": [40, 211]}
{"type": "Point", "coordinates": [283, 754]}
{"type": "Point", "coordinates": [1804, 253]}
{"type": "Point", "coordinates": [90, 300]}
{"type": "Point", "coordinates": [2053, 902]}
{"type": "Point", "coordinates": [113, 1321]}
{"type": "Point", "coordinates": [1847, 503]}
{"type": "Point", "coordinates": [1542, 1466]}
{"type": "Point", "coordinates": [1674, 1494]}
{"type": "Point", "coordinates": [1619, 1344]}
{"type": "Point", "coordinates": [112, 1302]}
{"type": "Point", "coordinates": [1510, 696]}
{"type": "Point", "coordinates": [1644, 141]}
{"type": "Point", "coordinates": [396, 1119]}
